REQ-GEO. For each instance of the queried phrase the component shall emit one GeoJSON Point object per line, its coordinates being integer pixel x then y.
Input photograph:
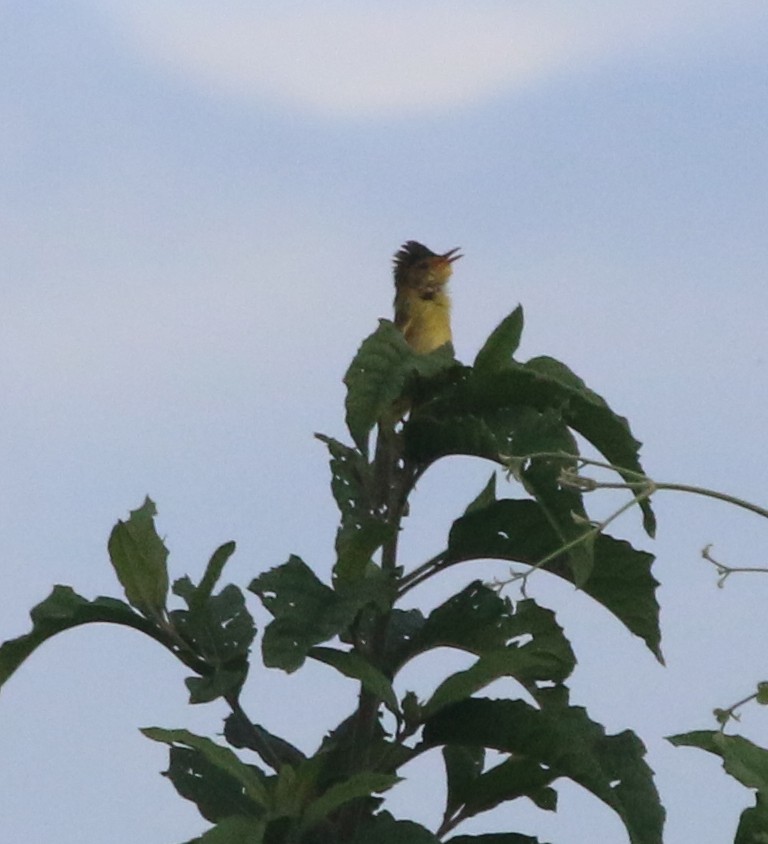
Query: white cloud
{"type": "Point", "coordinates": [362, 58]}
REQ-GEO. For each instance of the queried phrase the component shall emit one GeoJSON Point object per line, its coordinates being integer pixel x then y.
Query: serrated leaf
{"type": "Point", "coordinates": [564, 510]}
{"type": "Point", "coordinates": [222, 758]}
{"type": "Point", "coordinates": [504, 662]}
{"type": "Point", "coordinates": [139, 559]}
{"type": "Point", "coordinates": [384, 829]}
{"type": "Point", "coordinates": [564, 740]}
{"type": "Point", "coordinates": [362, 784]}
{"type": "Point", "coordinates": [753, 825]}
{"type": "Point", "coordinates": [362, 531]}
{"type": "Point", "coordinates": [306, 611]}
{"type": "Point", "coordinates": [240, 732]}
{"type": "Point", "coordinates": [355, 546]}
{"type": "Point", "coordinates": [378, 374]}
{"type": "Point", "coordinates": [233, 830]}
{"type": "Point", "coordinates": [428, 436]}
{"type": "Point", "coordinates": [589, 414]}
{"type": "Point", "coordinates": [353, 665]}
{"type": "Point", "coordinates": [485, 416]}
{"type": "Point", "coordinates": [216, 793]}
{"type": "Point", "coordinates": [477, 620]}
{"type": "Point", "coordinates": [220, 631]}
{"type": "Point", "coordinates": [213, 571]}
{"type": "Point", "coordinates": [748, 764]}
{"type": "Point", "coordinates": [515, 777]}
{"type": "Point", "coordinates": [518, 530]}
{"type": "Point", "coordinates": [62, 610]}
{"type": "Point", "coordinates": [494, 838]}
{"type": "Point", "coordinates": [486, 496]}
{"type": "Point", "coordinates": [463, 765]}
{"type": "Point", "coordinates": [742, 759]}
{"type": "Point", "coordinates": [498, 349]}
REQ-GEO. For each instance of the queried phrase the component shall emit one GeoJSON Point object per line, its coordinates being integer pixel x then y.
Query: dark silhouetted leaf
{"type": "Point", "coordinates": [62, 610]}
{"type": "Point", "coordinates": [139, 558]}
{"type": "Point", "coordinates": [362, 784]}
{"type": "Point", "coordinates": [463, 765]}
{"type": "Point", "coordinates": [518, 530]}
{"type": "Point", "coordinates": [477, 620]}
{"type": "Point", "coordinates": [742, 759]}
{"type": "Point", "coordinates": [589, 414]}
{"type": "Point", "coordinates": [378, 374]}
{"type": "Point", "coordinates": [745, 762]}
{"type": "Point", "coordinates": [250, 778]}
{"type": "Point", "coordinates": [306, 611]}
{"type": "Point", "coordinates": [353, 665]}
{"type": "Point", "coordinates": [494, 838]}
{"type": "Point", "coordinates": [568, 744]}
{"type": "Point", "coordinates": [384, 829]}
{"type": "Point", "coordinates": [499, 348]}
{"type": "Point", "coordinates": [233, 830]}
{"type": "Point", "coordinates": [220, 631]}
{"type": "Point", "coordinates": [213, 572]}
{"type": "Point", "coordinates": [216, 793]}
{"type": "Point", "coordinates": [486, 496]}
{"type": "Point", "coordinates": [362, 531]}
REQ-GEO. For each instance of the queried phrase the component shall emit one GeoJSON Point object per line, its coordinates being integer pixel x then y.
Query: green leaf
{"type": "Point", "coordinates": [240, 732]}
{"type": "Point", "coordinates": [477, 620]}
{"type": "Point", "coordinates": [378, 375]}
{"type": "Point", "coordinates": [563, 741]}
{"type": "Point", "coordinates": [486, 496]}
{"type": "Point", "coordinates": [748, 764]}
{"type": "Point", "coordinates": [463, 765]}
{"type": "Point", "coordinates": [222, 758]}
{"type": "Point", "coordinates": [753, 826]}
{"type": "Point", "coordinates": [742, 759]}
{"type": "Point", "coordinates": [306, 611]}
{"type": "Point", "coordinates": [350, 479]}
{"type": "Point", "coordinates": [589, 414]}
{"type": "Point", "coordinates": [430, 434]}
{"type": "Point", "coordinates": [216, 793]}
{"type": "Point", "coordinates": [362, 784]}
{"type": "Point", "coordinates": [362, 531]}
{"type": "Point", "coordinates": [139, 559]}
{"type": "Point", "coordinates": [355, 546]}
{"type": "Point", "coordinates": [494, 838]}
{"type": "Point", "coordinates": [212, 574]}
{"type": "Point", "coordinates": [518, 530]}
{"type": "Point", "coordinates": [505, 662]}
{"type": "Point", "coordinates": [384, 829]}
{"type": "Point", "coordinates": [565, 512]}
{"type": "Point", "coordinates": [62, 610]}
{"type": "Point", "coordinates": [486, 415]}
{"type": "Point", "coordinates": [513, 778]}
{"type": "Point", "coordinates": [499, 348]}
{"type": "Point", "coordinates": [233, 830]}
{"type": "Point", "coordinates": [220, 631]}
{"type": "Point", "coordinates": [353, 665]}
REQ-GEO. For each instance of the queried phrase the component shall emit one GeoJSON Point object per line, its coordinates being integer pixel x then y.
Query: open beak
{"type": "Point", "coordinates": [450, 256]}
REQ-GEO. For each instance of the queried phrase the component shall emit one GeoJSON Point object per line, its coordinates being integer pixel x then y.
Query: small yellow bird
{"type": "Point", "coordinates": [422, 303]}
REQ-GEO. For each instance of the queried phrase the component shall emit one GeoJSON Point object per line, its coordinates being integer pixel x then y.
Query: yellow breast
{"type": "Point", "coordinates": [425, 323]}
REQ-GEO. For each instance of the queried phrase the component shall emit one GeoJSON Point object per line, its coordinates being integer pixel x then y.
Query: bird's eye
{"type": "Point", "coordinates": [423, 265]}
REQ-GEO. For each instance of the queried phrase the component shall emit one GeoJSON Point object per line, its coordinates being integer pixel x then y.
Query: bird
{"type": "Point", "coordinates": [422, 303]}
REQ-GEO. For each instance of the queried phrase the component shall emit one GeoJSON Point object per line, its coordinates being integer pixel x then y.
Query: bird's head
{"type": "Point", "coordinates": [420, 268]}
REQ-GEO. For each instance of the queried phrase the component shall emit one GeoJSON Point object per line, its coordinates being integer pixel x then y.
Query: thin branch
{"type": "Point", "coordinates": [726, 571]}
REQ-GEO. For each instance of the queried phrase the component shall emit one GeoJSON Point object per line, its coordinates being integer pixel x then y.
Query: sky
{"type": "Point", "coordinates": [199, 205]}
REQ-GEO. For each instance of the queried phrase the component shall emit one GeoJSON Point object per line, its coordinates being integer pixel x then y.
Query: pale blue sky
{"type": "Point", "coordinates": [199, 204]}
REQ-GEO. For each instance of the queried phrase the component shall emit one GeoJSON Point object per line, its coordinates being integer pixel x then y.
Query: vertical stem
{"type": "Point", "coordinates": [389, 494]}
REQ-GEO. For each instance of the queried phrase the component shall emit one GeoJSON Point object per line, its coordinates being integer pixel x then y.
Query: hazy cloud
{"type": "Point", "coordinates": [360, 58]}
